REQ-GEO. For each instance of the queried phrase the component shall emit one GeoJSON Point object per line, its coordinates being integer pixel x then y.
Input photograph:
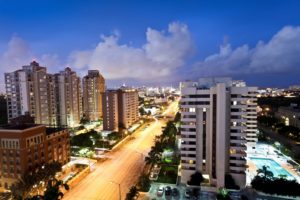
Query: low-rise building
{"type": "Point", "coordinates": [25, 147]}
{"type": "Point", "coordinates": [289, 115]}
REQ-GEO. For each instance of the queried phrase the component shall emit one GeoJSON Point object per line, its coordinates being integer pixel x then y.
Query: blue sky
{"type": "Point", "coordinates": [156, 42]}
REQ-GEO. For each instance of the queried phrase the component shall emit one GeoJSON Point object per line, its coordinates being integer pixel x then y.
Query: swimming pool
{"type": "Point", "coordinates": [273, 166]}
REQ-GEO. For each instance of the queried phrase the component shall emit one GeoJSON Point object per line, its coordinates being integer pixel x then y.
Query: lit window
{"type": "Point", "coordinates": [192, 110]}
{"type": "Point", "coordinates": [232, 151]}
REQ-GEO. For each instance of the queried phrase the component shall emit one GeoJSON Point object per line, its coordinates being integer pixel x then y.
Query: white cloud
{"type": "Point", "coordinates": [163, 53]}
{"type": "Point", "coordinates": [280, 54]}
{"type": "Point", "coordinates": [17, 54]}
{"type": "Point", "coordinates": [163, 57]}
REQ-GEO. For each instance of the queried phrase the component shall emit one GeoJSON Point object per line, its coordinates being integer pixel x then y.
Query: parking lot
{"type": "Point", "coordinates": [152, 194]}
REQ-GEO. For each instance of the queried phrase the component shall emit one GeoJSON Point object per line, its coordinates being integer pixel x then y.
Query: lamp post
{"type": "Point", "coordinates": [119, 184]}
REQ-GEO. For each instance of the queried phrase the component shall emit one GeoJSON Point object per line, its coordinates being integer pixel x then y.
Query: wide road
{"type": "Point", "coordinates": [124, 166]}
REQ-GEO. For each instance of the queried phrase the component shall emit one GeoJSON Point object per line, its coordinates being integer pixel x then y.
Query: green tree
{"type": "Point", "coordinates": [177, 117]}
{"type": "Point", "coordinates": [153, 158]}
{"type": "Point", "coordinates": [131, 194]}
{"type": "Point", "coordinates": [267, 174]}
{"type": "Point", "coordinates": [196, 179]}
{"type": "Point", "coordinates": [25, 185]}
{"type": "Point", "coordinates": [267, 120]}
{"type": "Point", "coordinates": [53, 191]}
{"type": "Point", "coordinates": [142, 111]}
{"type": "Point", "coordinates": [278, 186]}
{"type": "Point", "coordinates": [84, 120]}
{"type": "Point", "coordinates": [223, 194]}
{"type": "Point", "coordinates": [230, 183]}
{"type": "Point", "coordinates": [144, 183]}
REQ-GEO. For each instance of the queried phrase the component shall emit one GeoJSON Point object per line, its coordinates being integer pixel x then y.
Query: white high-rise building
{"type": "Point", "coordinates": [69, 98]}
{"type": "Point", "coordinates": [218, 123]}
{"type": "Point", "coordinates": [32, 90]}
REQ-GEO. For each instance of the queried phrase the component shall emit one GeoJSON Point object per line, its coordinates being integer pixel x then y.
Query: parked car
{"type": "Point", "coordinates": [188, 193]}
{"type": "Point", "coordinates": [168, 191]}
{"type": "Point", "coordinates": [175, 192]}
{"type": "Point", "coordinates": [160, 191]}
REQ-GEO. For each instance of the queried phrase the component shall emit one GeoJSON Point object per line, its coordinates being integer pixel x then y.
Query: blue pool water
{"type": "Point", "coordinates": [273, 166]}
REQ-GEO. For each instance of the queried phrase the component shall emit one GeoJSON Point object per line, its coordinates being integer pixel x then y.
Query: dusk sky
{"type": "Point", "coordinates": [155, 42]}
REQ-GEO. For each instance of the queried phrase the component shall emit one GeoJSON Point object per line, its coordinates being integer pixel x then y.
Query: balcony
{"type": "Point", "coordinates": [184, 152]}
{"type": "Point", "coordinates": [188, 136]}
{"type": "Point", "coordinates": [188, 126]}
{"type": "Point", "coordinates": [240, 161]}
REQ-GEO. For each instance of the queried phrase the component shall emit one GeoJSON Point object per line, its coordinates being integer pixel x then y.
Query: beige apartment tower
{"type": "Point", "coordinates": [31, 89]}
{"type": "Point", "coordinates": [110, 110]}
{"type": "Point", "coordinates": [93, 88]}
{"type": "Point", "coordinates": [128, 102]}
{"type": "Point", "coordinates": [69, 99]}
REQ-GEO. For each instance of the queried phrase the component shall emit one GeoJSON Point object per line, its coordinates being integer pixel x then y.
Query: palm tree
{"type": "Point", "coordinates": [267, 174]}
{"type": "Point", "coordinates": [153, 158]}
{"type": "Point", "coordinates": [223, 194]}
{"type": "Point", "coordinates": [53, 191]}
{"type": "Point", "coordinates": [196, 179]}
{"type": "Point", "coordinates": [132, 192]}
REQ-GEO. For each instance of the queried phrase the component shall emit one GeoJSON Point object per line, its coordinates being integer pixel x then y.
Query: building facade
{"type": "Point", "coordinates": [289, 115]}
{"type": "Point", "coordinates": [128, 102]}
{"type": "Point", "coordinates": [31, 89]}
{"type": "Point", "coordinates": [68, 98]}
{"type": "Point", "coordinates": [25, 147]}
{"type": "Point", "coordinates": [110, 110]}
{"type": "Point", "coordinates": [93, 88]}
{"type": "Point", "coordinates": [218, 121]}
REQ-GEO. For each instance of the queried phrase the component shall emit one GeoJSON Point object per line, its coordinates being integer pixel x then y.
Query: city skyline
{"type": "Point", "coordinates": [189, 41]}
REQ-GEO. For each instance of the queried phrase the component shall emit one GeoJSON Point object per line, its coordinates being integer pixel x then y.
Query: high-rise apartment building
{"type": "Point", "coordinates": [110, 110]}
{"type": "Point", "coordinates": [25, 147]}
{"type": "Point", "coordinates": [128, 101]}
{"type": "Point", "coordinates": [93, 87]}
{"type": "Point", "coordinates": [68, 98]}
{"type": "Point", "coordinates": [120, 108]}
{"type": "Point", "coordinates": [218, 121]}
{"type": "Point", "coordinates": [31, 89]}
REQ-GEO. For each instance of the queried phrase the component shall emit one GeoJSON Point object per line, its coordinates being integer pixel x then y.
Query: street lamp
{"type": "Point", "coordinates": [119, 184]}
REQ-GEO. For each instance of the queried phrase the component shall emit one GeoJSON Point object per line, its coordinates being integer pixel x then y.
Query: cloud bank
{"type": "Point", "coordinates": [161, 55]}
{"type": "Point", "coordinates": [164, 57]}
{"type": "Point", "coordinates": [279, 54]}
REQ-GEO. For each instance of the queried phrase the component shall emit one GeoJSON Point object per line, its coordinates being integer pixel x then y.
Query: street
{"type": "Point", "coordinates": [123, 168]}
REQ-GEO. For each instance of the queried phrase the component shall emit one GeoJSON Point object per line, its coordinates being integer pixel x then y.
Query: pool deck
{"type": "Point", "coordinates": [269, 152]}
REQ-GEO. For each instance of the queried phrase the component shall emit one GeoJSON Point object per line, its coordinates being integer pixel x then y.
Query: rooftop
{"type": "Point", "coordinates": [17, 127]}
{"type": "Point", "coordinates": [49, 131]}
